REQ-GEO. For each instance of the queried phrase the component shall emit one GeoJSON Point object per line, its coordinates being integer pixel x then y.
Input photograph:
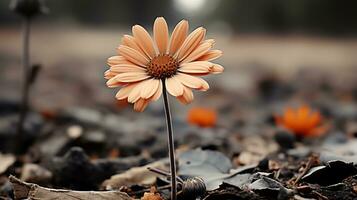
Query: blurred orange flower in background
{"type": "Point", "coordinates": [203, 117]}
{"type": "Point", "coordinates": [302, 121]}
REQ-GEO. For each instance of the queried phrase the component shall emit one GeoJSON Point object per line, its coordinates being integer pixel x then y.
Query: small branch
{"type": "Point", "coordinates": [320, 195]}
{"type": "Point", "coordinates": [170, 142]}
{"type": "Point", "coordinates": [312, 160]}
{"type": "Point", "coordinates": [164, 173]}
{"type": "Point", "coordinates": [23, 190]}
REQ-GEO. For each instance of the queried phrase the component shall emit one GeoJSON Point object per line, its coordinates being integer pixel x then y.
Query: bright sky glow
{"type": "Point", "coordinates": [189, 6]}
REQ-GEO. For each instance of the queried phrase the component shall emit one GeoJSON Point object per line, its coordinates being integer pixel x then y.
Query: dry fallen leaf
{"type": "Point", "coordinates": [135, 175]}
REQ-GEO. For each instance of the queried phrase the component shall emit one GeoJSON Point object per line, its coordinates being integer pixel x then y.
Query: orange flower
{"type": "Point", "coordinates": [302, 121]}
{"type": "Point", "coordinates": [203, 117]}
{"type": "Point", "coordinates": [144, 63]}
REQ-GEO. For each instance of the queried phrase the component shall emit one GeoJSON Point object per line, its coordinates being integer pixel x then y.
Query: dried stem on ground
{"type": "Point", "coordinates": [23, 190]}
{"type": "Point", "coordinates": [312, 161]}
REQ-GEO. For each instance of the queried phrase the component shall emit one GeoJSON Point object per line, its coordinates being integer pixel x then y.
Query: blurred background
{"type": "Point", "coordinates": [302, 42]}
{"type": "Point", "coordinates": [278, 54]}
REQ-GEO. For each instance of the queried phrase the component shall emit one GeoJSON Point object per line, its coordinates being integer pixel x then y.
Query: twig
{"type": "Point", "coordinates": [163, 173]}
{"type": "Point", "coordinates": [320, 195]}
{"type": "Point", "coordinates": [309, 164]}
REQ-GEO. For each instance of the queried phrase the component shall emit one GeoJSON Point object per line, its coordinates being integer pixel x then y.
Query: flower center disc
{"type": "Point", "coordinates": [162, 66]}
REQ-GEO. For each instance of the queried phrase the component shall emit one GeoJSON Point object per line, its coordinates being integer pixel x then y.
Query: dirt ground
{"type": "Point", "coordinates": [73, 60]}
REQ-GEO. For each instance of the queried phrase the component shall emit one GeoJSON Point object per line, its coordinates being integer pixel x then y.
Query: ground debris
{"type": "Point", "coordinates": [152, 195]}
{"type": "Point", "coordinates": [6, 160]}
{"type": "Point", "coordinates": [135, 176]}
{"type": "Point", "coordinates": [35, 173]}
{"type": "Point", "coordinates": [228, 192]}
{"type": "Point", "coordinates": [332, 173]}
{"type": "Point", "coordinates": [24, 190]}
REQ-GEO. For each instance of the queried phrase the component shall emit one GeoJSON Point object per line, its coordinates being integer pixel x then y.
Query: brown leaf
{"type": "Point", "coordinates": [135, 175]}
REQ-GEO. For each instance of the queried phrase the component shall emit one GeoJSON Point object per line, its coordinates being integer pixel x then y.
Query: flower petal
{"type": "Point", "coordinates": [112, 82]}
{"type": "Point", "coordinates": [115, 60]}
{"type": "Point", "coordinates": [191, 43]}
{"type": "Point", "coordinates": [130, 41]}
{"type": "Point", "coordinates": [158, 92]}
{"type": "Point", "coordinates": [150, 88]}
{"type": "Point", "coordinates": [204, 85]}
{"type": "Point", "coordinates": [109, 74]}
{"type": "Point", "coordinates": [289, 119]}
{"type": "Point", "coordinates": [217, 69]}
{"type": "Point", "coordinates": [186, 97]}
{"type": "Point", "coordinates": [124, 92]}
{"type": "Point", "coordinates": [135, 93]}
{"type": "Point", "coordinates": [133, 55]}
{"type": "Point", "coordinates": [211, 55]}
{"type": "Point", "coordinates": [144, 40]}
{"type": "Point", "coordinates": [189, 81]}
{"type": "Point", "coordinates": [314, 119]}
{"type": "Point", "coordinates": [131, 77]}
{"type": "Point", "coordinates": [178, 36]}
{"type": "Point", "coordinates": [199, 67]}
{"type": "Point", "coordinates": [161, 34]}
{"type": "Point", "coordinates": [141, 104]}
{"type": "Point", "coordinates": [174, 87]}
{"type": "Point", "coordinates": [203, 48]}
{"type": "Point", "coordinates": [123, 68]}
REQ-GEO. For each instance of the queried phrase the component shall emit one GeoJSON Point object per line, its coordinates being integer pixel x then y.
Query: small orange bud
{"type": "Point", "coordinates": [152, 195]}
{"type": "Point", "coordinates": [302, 121]}
{"type": "Point", "coordinates": [203, 117]}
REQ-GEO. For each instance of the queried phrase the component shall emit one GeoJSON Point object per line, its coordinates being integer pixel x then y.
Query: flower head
{"type": "Point", "coordinates": [203, 117]}
{"type": "Point", "coordinates": [145, 63]}
{"type": "Point", "coordinates": [302, 121]}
